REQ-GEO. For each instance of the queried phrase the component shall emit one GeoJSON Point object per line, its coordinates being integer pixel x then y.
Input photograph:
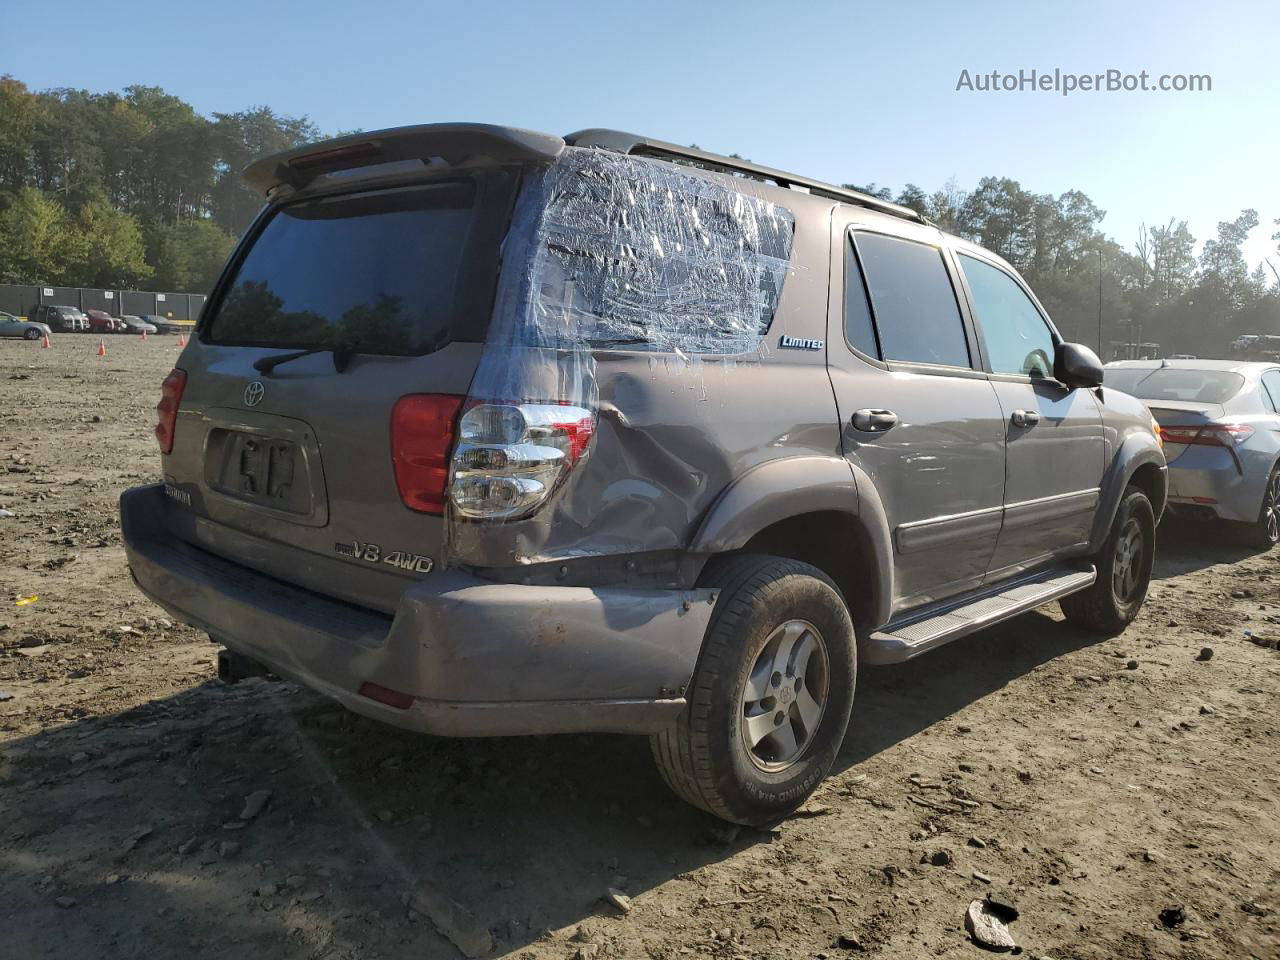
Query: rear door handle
{"type": "Point", "coordinates": [874, 421]}
{"type": "Point", "coordinates": [1025, 418]}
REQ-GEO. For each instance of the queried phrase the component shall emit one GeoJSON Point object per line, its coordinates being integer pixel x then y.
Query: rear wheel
{"type": "Point", "coordinates": [1264, 532]}
{"type": "Point", "coordinates": [770, 698]}
{"type": "Point", "coordinates": [1124, 570]}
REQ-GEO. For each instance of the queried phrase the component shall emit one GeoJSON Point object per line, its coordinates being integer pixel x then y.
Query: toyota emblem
{"type": "Point", "coordinates": [253, 393]}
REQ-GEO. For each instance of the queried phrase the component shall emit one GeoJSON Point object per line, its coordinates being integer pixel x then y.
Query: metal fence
{"type": "Point", "coordinates": [22, 299]}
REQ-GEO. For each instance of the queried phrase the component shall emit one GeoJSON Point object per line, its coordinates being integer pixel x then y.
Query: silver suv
{"type": "Point", "coordinates": [488, 432]}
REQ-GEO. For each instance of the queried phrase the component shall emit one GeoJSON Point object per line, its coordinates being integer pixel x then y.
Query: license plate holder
{"type": "Point", "coordinates": [260, 469]}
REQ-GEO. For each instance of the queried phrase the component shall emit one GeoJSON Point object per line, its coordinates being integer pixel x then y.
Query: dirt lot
{"type": "Point", "coordinates": [1092, 785]}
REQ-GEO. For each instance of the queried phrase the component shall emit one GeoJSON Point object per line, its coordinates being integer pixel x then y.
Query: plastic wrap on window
{"type": "Point", "coordinates": [605, 251]}
{"type": "Point", "coordinates": [609, 250]}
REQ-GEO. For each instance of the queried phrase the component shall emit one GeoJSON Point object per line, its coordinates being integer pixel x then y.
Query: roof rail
{"type": "Point", "coordinates": [632, 143]}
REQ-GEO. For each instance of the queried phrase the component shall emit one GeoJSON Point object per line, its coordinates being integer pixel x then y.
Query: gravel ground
{"type": "Point", "coordinates": [1094, 786]}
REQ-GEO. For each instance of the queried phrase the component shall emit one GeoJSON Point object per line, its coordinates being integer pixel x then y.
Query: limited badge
{"type": "Point", "coordinates": [801, 343]}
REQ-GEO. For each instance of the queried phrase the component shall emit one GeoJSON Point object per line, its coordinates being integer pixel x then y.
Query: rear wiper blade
{"type": "Point", "coordinates": [341, 358]}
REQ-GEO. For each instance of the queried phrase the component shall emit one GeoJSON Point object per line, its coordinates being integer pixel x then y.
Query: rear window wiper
{"type": "Point", "coordinates": [341, 358]}
{"type": "Point", "coordinates": [342, 353]}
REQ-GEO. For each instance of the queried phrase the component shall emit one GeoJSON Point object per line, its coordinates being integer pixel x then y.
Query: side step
{"type": "Point", "coordinates": [915, 633]}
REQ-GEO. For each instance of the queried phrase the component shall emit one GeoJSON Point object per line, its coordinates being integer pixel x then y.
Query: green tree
{"type": "Point", "coordinates": [112, 252]}
{"type": "Point", "coordinates": [188, 256]}
{"type": "Point", "coordinates": [39, 243]}
{"type": "Point", "coordinates": [1224, 274]}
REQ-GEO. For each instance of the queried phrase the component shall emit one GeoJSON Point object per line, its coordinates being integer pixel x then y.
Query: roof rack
{"type": "Point", "coordinates": [631, 143]}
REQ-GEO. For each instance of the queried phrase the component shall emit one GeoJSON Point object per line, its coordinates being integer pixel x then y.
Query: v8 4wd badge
{"type": "Point", "coordinates": [372, 553]}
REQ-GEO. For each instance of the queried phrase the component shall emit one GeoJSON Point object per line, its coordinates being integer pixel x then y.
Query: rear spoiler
{"type": "Point", "coordinates": [455, 143]}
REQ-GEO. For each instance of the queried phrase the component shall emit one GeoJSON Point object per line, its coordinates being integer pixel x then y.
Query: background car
{"type": "Point", "coordinates": [1244, 342]}
{"type": "Point", "coordinates": [60, 317]}
{"type": "Point", "coordinates": [137, 324]}
{"type": "Point", "coordinates": [102, 322]}
{"type": "Point", "coordinates": [1220, 422]}
{"type": "Point", "coordinates": [166, 325]}
{"type": "Point", "coordinates": [11, 326]}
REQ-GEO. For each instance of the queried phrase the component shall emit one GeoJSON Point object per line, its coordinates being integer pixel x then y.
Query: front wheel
{"type": "Point", "coordinates": [31, 334]}
{"type": "Point", "coordinates": [769, 701]}
{"type": "Point", "coordinates": [1124, 570]}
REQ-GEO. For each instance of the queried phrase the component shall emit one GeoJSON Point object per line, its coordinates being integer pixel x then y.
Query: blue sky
{"type": "Point", "coordinates": [847, 91]}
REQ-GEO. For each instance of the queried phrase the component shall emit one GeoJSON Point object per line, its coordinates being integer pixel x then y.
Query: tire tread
{"type": "Point", "coordinates": [680, 751]}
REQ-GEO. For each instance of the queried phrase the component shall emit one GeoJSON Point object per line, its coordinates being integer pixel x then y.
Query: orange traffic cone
{"type": "Point", "coordinates": [182, 339]}
{"type": "Point", "coordinates": [144, 334]}
{"type": "Point", "coordinates": [46, 341]}
{"type": "Point", "coordinates": [102, 348]}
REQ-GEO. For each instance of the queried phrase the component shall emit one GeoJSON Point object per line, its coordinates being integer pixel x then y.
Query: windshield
{"type": "Point", "coordinates": [1168, 383]}
{"type": "Point", "coordinates": [371, 272]}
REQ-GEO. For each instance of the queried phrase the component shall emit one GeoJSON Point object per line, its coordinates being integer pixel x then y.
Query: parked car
{"type": "Point", "coordinates": [1220, 421]}
{"type": "Point", "coordinates": [166, 325]}
{"type": "Point", "coordinates": [137, 325]}
{"type": "Point", "coordinates": [1266, 347]}
{"type": "Point", "coordinates": [102, 322]}
{"type": "Point", "coordinates": [62, 318]}
{"type": "Point", "coordinates": [607, 434]}
{"type": "Point", "coordinates": [1244, 343]}
{"type": "Point", "coordinates": [11, 326]}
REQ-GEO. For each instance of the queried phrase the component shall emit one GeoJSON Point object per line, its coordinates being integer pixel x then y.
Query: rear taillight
{"type": "Point", "coordinates": [422, 427]}
{"type": "Point", "coordinates": [167, 408]}
{"type": "Point", "coordinates": [511, 456]}
{"type": "Point", "coordinates": [1208, 434]}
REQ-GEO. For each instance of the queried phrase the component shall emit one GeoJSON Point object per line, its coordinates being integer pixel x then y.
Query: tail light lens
{"type": "Point", "coordinates": [1208, 434]}
{"type": "Point", "coordinates": [167, 408]}
{"type": "Point", "coordinates": [511, 456]}
{"type": "Point", "coordinates": [422, 428]}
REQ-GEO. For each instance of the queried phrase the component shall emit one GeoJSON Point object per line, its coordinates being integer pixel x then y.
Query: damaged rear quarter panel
{"type": "Point", "coordinates": [675, 427]}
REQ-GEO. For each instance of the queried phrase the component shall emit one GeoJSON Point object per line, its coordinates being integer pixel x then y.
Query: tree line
{"type": "Point", "coordinates": [130, 189]}
{"type": "Point", "coordinates": [1155, 289]}
{"type": "Point", "coordinates": [138, 189]}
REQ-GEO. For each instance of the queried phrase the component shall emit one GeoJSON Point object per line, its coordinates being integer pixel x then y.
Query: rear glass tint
{"type": "Point", "coordinates": [1170, 383]}
{"type": "Point", "coordinates": [372, 272]}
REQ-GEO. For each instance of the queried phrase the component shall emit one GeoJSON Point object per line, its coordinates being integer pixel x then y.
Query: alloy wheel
{"type": "Point", "coordinates": [1271, 508]}
{"type": "Point", "coordinates": [785, 695]}
{"type": "Point", "coordinates": [1126, 570]}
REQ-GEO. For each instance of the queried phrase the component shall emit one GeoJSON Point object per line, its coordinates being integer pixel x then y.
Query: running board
{"type": "Point", "coordinates": [914, 634]}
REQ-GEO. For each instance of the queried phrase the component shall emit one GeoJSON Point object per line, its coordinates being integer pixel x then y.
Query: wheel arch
{"type": "Point", "coordinates": [820, 510]}
{"type": "Point", "coordinates": [1140, 461]}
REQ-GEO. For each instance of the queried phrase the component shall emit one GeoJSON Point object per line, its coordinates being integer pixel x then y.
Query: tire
{"type": "Point", "coordinates": [32, 334]}
{"type": "Point", "coordinates": [773, 617]}
{"type": "Point", "coordinates": [1264, 533]}
{"type": "Point", "coordinates": [1124, 570]}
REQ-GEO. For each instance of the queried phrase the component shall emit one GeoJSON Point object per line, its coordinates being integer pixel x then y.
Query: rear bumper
{"type": "Point", "coordinates": [478, 658]}
{"type": "Point", "coordinates": [1208, 477]}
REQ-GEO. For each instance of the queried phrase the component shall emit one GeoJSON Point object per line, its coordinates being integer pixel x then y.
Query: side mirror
{"type": "Point", "coordinates": [1076, 365]}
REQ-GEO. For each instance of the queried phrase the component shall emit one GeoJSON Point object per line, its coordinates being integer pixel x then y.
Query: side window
{"type": "Point", "coordinates": [916, 314]}
{"type": "Point", "coordinates": [858, 328]}
{"type": "Point", "coordinates": [1271, 385]}
{"type": "Point", "coordinates": [1016, 337]}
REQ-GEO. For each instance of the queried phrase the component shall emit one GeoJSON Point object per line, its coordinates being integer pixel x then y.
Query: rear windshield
{"type": "Point", "coordinates": [373, 272]}
{"type": "Point", "coordinates": [1168, 383]}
